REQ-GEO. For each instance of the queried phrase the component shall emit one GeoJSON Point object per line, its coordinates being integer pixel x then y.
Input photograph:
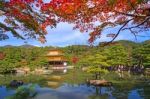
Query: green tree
{"type": "Point", "coordinates": [141, 55]}
{"type": "Point", "coordinates": [22, 57]}
{"type": "Point", "coordinates": [116, 55]}
{"type": "Point", "coordinates": [96, 63]}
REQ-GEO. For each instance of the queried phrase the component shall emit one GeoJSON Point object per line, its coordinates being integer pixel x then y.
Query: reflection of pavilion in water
{"type": "Point", "coordinates": [56, 60]}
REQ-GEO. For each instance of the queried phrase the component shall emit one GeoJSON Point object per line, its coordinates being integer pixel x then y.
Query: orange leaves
{"type": "Point", "coordinates": [98, 31]}
{"type": "Point", "coordinates": [121, 19]}
{"type": "Point", "coordinates": [15, 8]}
{"type": "Point", "coordinates": [42, 39]}
{"type": "Point", "coordinates": [145, 6]}
{"type": "Point", "coordinates": [48, 22]}
{"type": "Point", "coordinates": [75, 59]}
{"type": "Point", "coordinates": [40, 1]}
{"type": "Point", "coordinates": [24, 16]}
{"type": "Point", "coordinates": [68, 8]}
{"type": "Point", "coordinates": [94, 35]}
{"type": "Point", "coordinates": [2, 55]}
{"type": "Point", "coordinates": [133, 1]}
{"type": "Point", "coordinates": [82, 13]}
{"type": "Point", "coordinates": [16, 3]}
{"type": "Point", "coordinates": [62, 6]}
{"type": "Point", "coordinates": [46, 7]}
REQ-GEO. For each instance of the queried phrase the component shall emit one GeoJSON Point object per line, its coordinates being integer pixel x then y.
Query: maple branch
{"type": "Point", "coordinates": [31, 11]}
{"type": "Point", "coordinates": [119, 31]}
{"type": "Point", "coordinates": [133, 32]}
{"type": "Point", "coordinates": [138, 24]}
{"type": "Point", "coordinates": [12, 31]}
{"type": "Point", "coordinates": [132, 6]}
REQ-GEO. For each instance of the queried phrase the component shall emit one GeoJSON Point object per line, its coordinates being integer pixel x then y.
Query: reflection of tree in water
{"type": "Point", "coordinates": [98, 97]}
{"type": "Point", "coordinates": [101, 92]}
{"type": "Point", "coordinates": [122, 90]}
{"type": "Point", "coordinates": [144, 90]}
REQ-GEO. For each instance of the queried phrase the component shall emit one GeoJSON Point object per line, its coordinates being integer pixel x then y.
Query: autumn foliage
{"type": "Point", "coordinates": [75, 60]}
{"type": "Point", "coordinates": [2, 55]}
{"type": "Point", "coordinates": [33, 16]}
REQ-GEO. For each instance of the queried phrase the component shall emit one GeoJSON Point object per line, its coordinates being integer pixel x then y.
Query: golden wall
{"type": "Point", "coordinates": [54, 53]}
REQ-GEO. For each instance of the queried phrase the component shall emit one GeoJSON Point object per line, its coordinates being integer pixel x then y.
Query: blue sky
{"type": "Point", "coordinates": [64, 35]}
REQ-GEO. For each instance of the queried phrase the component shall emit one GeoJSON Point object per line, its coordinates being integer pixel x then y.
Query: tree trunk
{"type": "Point", "coordinates": [96, 76]}
{"type": "Point", "coordinates": [140, 61]}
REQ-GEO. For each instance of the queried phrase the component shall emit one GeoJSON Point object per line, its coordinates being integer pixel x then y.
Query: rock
{"type": "Point", "coordinates": [15, 83]}
{"type": "Point", "coordinates": [47, 72]}
{"type": "Point", "coordinates": [1, 75]}
{"type": "Point", "coordinates": [24, 70]}
{"type": "Point", "coordinates": [70, 67]}
{"type": "Point", "coordinates": [147, 71]}
{"type": "Point", "coordinates": [85, 68]}
{"type": "Point", "coordinates": [99, 83]}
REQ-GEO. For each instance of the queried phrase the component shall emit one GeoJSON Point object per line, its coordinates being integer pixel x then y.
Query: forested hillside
{"type": "Point", "coordinates": [125, 53]}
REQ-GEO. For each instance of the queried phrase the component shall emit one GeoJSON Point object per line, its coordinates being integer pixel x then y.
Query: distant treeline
{"type": "Point", "coordinates": [125, 53]}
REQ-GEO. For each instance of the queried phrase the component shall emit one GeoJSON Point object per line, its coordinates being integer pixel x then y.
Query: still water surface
{"type": "Point", "coordinates": [68, 90]}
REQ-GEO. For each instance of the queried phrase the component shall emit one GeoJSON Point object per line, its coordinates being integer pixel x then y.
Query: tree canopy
{"type": "Point", "coordinates": [33, 16]}
{"type": "Point", "coordinates": [24, 16]}
{"type": "Point", "coordinates": [16, 57]}
{"type": "Point", "coordinates": [122, 53]}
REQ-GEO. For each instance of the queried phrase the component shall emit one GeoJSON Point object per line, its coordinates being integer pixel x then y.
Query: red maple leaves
{"type": "Point", "coordinates": [82, 13]}
{"type": "Point", "coordinates": [2, 55]}
{"type": "Point", "coordinates": [75, 60]}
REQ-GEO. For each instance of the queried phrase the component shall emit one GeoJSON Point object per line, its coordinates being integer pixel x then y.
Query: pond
{"type": "Point", "coordinates": [72, 86]}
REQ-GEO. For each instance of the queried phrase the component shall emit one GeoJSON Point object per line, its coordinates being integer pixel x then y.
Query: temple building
{"type": "Point", "coordinates": [56, 60]}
